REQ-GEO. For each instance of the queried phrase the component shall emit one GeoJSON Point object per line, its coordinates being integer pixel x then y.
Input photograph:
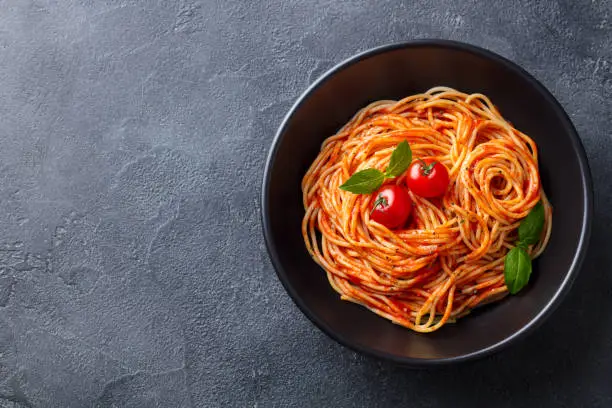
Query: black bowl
{"type": "Point", "coordinates": [393, 72]}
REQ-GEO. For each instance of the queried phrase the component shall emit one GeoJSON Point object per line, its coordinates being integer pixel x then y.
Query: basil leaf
{"type": "Point", "coordinates": [364, 181]}
{"type": "Point", "coordinates": [522, 245]}
{"type": "Point", "coordinates": [530, 228]}
{"type": "Point", "coordinates": [517, 269]}
{"type": "Point", "coordinates": [400, 160]}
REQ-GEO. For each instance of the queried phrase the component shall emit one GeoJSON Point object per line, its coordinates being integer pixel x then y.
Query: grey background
{"type": "Point", "coordinates": [133, 271]}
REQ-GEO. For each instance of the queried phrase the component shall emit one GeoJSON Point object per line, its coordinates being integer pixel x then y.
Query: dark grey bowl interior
{"type": "Point", "coordinates": [393, 72]}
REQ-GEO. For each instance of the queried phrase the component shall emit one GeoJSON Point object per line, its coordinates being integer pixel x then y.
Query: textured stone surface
{"type": "Point", "coordinates": [132, 268]}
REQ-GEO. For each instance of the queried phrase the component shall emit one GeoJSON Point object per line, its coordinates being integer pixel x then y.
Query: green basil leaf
{"type": "Point", "coordinates": [530, 228]}
{"type": "Point", "coordinates": [522, 245]}
{"type": "Point", "coordinates": [364, 181]}
{"type": "Point", "coordinates": [400, 160]}
{"type": "Point", "coordinates": [517, 269]}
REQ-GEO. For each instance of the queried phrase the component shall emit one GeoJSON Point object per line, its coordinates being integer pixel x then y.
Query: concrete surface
{"type": "Point", "coordinates": [132, 267]}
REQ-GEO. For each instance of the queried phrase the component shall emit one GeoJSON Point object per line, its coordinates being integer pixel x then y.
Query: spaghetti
{"type": "Point", "coordinates": [449, 259]}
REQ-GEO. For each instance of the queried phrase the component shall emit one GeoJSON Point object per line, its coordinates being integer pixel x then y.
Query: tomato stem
{"type": "Point", "coordinates": [426, 168]}
{"type": "Point", "coordinates": [380, 200]}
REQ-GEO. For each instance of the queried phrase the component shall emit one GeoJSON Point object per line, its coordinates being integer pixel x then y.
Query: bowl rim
{"type": "Point", "coordinates": [587, 198]}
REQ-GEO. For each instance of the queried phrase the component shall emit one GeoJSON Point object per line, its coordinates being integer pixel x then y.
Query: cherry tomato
{"type": "Point", "coordinates": [427, 178]}
{"type": "Point", "coordinates": [391, 206]}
